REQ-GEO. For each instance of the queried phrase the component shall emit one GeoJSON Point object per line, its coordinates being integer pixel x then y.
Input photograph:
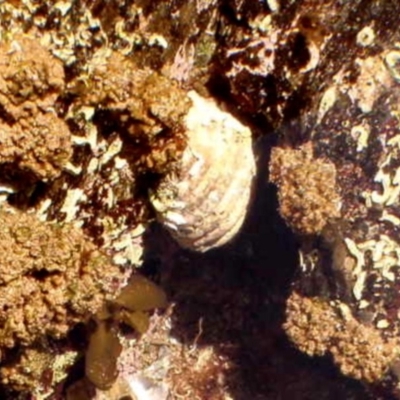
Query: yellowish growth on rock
{"type": "Point", "coordinates": [317, 328]}
{"type": "Point", "coordinates": [38, 145]}
{"type": "Point", "coordinates": [307, 190]}
{"type": "Point", "coordinates": [32, 138]}
{"type": "Point", "coordinates": [52, 277]}
{"type": "Point", "coordinates": [36, 365]}
{"type": "Point", "coordinates": [30, 77]}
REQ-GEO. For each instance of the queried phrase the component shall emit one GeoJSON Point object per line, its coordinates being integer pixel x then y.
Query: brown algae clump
{"type": "Point", "coordinates": [52, 277]}
{"type": "Point", "coordinates": [131, 307]}
{"type": "Point", "coordinates": [32, 137]}
{"type": "Point", "coordinates": [37, 146]}
{"type": "Point", "coordinates": [102, 355]}
{"type": "Point", "coordinates": [141, 295]}
{"type": "Point", "coordinates": [30, 79]}
{"type": "Point", "coordinates": [307, 190]}
{"type": "Point", "coordinates": [318, 328]}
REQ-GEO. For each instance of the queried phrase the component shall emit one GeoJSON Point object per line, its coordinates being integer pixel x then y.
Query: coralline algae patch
{"type": "Point", "coordinates": [331, 83]}
{"type": "Point", "coordinates": [86, 128]}
{"type": "Point", "coordinates": [328, 73]}
{"type": "Point", "coordinates": [34, 141]}
{"type": "Point", "coordinates": [318, 327]}
{"type": "Point", "coordinates": [52, 278]}
{"type": "Point", "coordinates": [125, 137]}
{"type": "Point", "coordinates": [307, 191]}
{"type": "Point", "coordinates": [364, 149]}
{"type": "Point", "coordinates": [355, 261]}
{"type": "Point", "coordinates": [86, 119]}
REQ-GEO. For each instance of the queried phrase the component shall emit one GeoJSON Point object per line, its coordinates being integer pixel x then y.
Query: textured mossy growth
{"type": "Point", "coordinates": [52, 278]}
{"type": "Point", "coordinates": [307, 191]}
{"type": "Point", "coordinates": [34, 141]}
{"type": "Point", "coordinates": [317, 328]}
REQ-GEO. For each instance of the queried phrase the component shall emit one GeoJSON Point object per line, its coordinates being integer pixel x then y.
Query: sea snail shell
{"type": "Point", "coordinates": [204, 205]}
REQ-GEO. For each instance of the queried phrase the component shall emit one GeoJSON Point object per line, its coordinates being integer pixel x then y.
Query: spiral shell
{"type": "Point", "coordinates": [205, 203]}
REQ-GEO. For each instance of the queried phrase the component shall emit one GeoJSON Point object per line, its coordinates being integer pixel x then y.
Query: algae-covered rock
{"type": "Point", "coordinates": [34, 141]}
{"type": "Point", "coordinates": [52, 278]}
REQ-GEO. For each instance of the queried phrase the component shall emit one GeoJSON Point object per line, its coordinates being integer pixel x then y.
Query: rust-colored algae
{"type": "Point", "coordinates": [33, 139]}
{"type": "Point", "coordinates": [307, 190]}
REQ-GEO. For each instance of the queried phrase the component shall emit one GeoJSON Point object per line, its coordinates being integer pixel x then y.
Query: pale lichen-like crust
{"type": "Point", "coordinates": [205, 203]}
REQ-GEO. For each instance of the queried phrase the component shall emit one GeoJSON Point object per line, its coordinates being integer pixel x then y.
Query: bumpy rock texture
{"type": "Point", "coordinates": [76, 148]}
{"type": "Point", "coordinates": [307, 190]}
{"type": "Point", "coordinates": [318, 327]}
{"type": "Point", "coordinates": [33, 140]}
{"type": "Point", "coordinates": [326, 74]}
{"type": "Point", "coordinates": [84, 132]}
{"type": "Point", "coordinates": [146, 107]}
{"type": "Point", "coordinates": [52, 277]}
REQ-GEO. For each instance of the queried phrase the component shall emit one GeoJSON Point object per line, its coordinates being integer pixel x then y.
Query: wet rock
{"type": "Point", "coordinates": [332, 83]}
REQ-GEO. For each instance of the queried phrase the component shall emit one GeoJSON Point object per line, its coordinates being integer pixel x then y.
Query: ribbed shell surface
{"type": "Point", "coordinates": [205, 204]}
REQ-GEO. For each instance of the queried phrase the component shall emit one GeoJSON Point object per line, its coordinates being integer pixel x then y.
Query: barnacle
{"type": "Point", "coordinates": [204, 204]}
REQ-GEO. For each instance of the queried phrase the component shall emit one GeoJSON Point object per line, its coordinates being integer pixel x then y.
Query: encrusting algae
{"type": "Point", "coordinates": [52, 278]}
{"type": "Point", "coordinates": [33, 140]}
{"type": "Point", "coordinates": [145, 107]}
{"type": "Point", "coordinates": [308, 196]}
{"type": "Point", "coordinates": [89, 127]}
{"type": "Point", "coordinates": [85, 132]}
{"type": "Point", "coordinates": [316, 328]}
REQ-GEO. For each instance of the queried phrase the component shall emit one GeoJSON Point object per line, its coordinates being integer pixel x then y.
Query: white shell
{"type": "Point", "coordinates": [204, 205]}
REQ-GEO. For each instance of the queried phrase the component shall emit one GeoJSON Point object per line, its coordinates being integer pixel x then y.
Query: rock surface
{"type": "Point", "coordinates": [107, 85]}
